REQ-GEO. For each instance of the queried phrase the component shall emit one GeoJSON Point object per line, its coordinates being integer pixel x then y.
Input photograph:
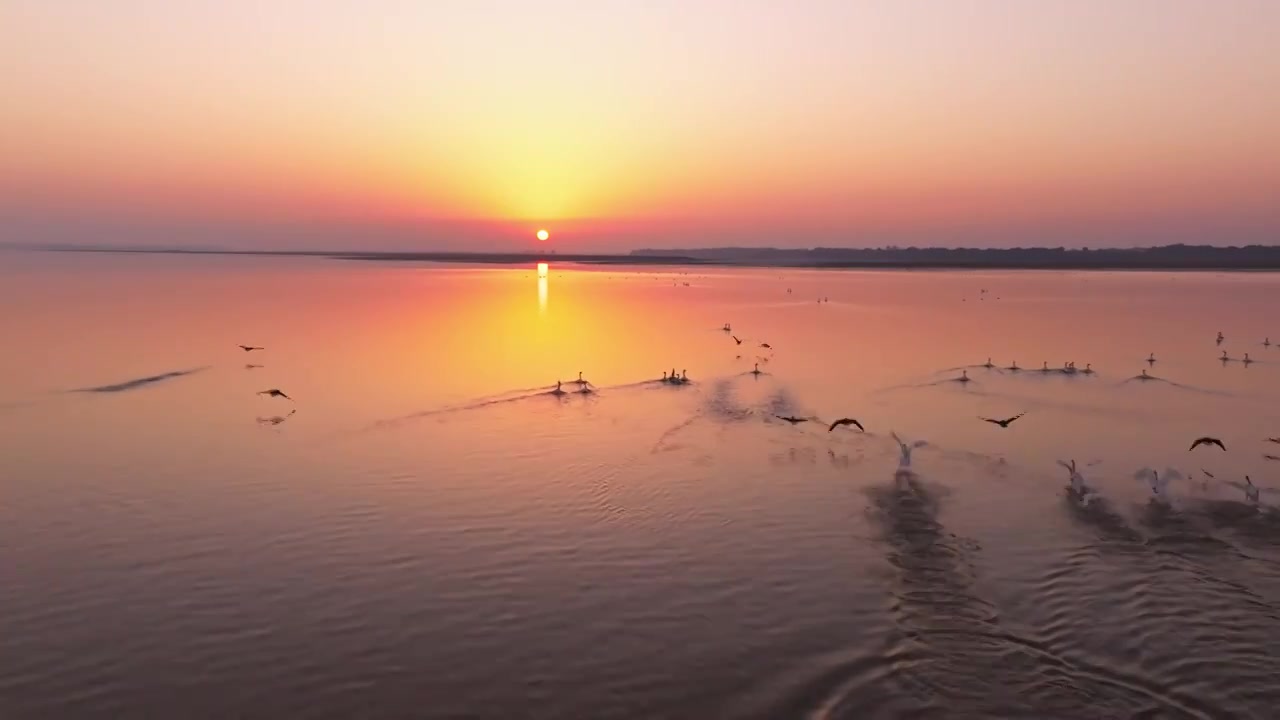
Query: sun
{"type": "Point", "coordinates": [543, 235]}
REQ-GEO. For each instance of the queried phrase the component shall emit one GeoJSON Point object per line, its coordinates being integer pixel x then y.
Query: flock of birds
{"type": "Point", "coordinates": [270, 392]}
{"type": "Point", "coordinates": [1158, 482]}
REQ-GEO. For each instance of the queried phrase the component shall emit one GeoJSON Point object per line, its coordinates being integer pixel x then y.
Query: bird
{"type": "Point", "coordinates": [1274, 439]}
{"type": "Point", "coordinates": [756, 369]}
{"type": "Point", "coordinates": [1002, 423]}
{"type": "Point", "coordinates": [1246, 359]}
{"type": "Point", "coordinates": [1088, 369]}
{"type": "Point", "coordinates": [559, 390]}
{"type": "Point", "coordinates": [727, 328]}
{"type": "Point", "coordinates": [1045, 367]}
{"type": "Point", "coordinates": [1251, 491]}
{"type": "Point", "coordinates": [1014, 367]}
{"type": "Point", "coordinates": [905, 460]}
{"type": "Point", "coordinates": [275, 392]}
{"type": "Point", "coordinates": [580, 381]}
{"type": "Point", "coordinates": [1221, 337]}
{"type": "Point", "coordinates": [1206, 441]}
{"type": "Point", "coordinates": [988, 364]}
{"type": "Point", "coordinates": [275, 419]}
{"type": "Point", "coordinates": [1144, 376]}
{"type": "Point", "coordinates": [766, 346]}
{"type": "Point", "coordinates": [251, 348]}
{"type": "Point", "coordinates": [1151, 359]}
{"type": "Point", "coordinates": [585, 389]}
{"type": "Point", "coordinates": [964, 377]}
{"type": "Point", "coordinates": [1266, 342]}
{"type": "Point", "coordinates": [1077, 480]}
{"type": "Point", "coordinates": [735, 339]}
{"type": "Point", "coordinates": [792, 419]}
{"type": "Point", "coordinates": [1225, 357]}
{"type": "Point", "coordinates": [846, 421]}
{"type": "Point", "coordinates": [1270, 457]}
{"type": "Point", "coordinates": [1158, 483]}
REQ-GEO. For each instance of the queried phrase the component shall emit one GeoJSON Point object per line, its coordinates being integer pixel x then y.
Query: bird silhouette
{"type": "Point", "coordinates": [846, 421]}
{"type": "Point", "coordinates": [756, 369]}
{"type": "Point", "coordinates": [988, 364]}
{"type": "Point", "coordinates": [1206, 441]}
{"type": "Point", "coordinates": [1002, 423]}
{"type": "Point", "coordinates": [792, 419]}
{"type": "Point", "coordinates": [735, 339]}
{"type": "Point", "coordinates": [766, 345]}
{"type": "Point", "coordinates": [276, 392]}
{"type": "Point", "coordinates": [251, 348]}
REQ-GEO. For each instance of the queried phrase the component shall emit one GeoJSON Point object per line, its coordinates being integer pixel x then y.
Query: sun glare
{"type": "Point", "coordinates": [543, 235]}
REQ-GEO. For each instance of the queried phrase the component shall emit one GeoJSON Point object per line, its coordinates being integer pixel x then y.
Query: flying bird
{"type": "Point", "coordinates": [1206, 441]}
{"type": "Point", "coordinates": [1078, 485]}
{"type": "Point", "coordinates": [251, 348]}
{"type": "Point", "coordinates": [1274, 440]}
{"type": "Point", "coordinates": [905, 460]}
{"type": "Point", "coordinates": [735, 339]}
{"type": "Point", "coordinates": [792, 419]}
{"type": "Point", "coordinates": [1158, 483]}
{"type": "Point", "coordinates": [1002, 423]}
{"type": "Point", "coordinates": [846, 421]}
{"type": "Point", "coordinates": [1251, 491]}
{"type": "Point", "coordinates": [276, 392]}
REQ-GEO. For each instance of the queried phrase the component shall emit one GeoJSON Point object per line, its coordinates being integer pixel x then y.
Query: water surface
{"type": "Point", "coordinates": [431, 533]}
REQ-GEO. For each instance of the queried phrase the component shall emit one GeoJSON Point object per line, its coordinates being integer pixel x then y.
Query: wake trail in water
{"type": "Point", "coordinates": [139, 382]}
{"type": "Point", "coordinates": [956, 655]}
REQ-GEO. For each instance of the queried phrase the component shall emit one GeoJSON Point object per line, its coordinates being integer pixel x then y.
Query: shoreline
{"type": "Point", "coordinates": [676, 260]}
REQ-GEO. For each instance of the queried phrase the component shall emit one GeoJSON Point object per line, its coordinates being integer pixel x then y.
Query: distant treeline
{"type": "Point", "coordinates": [1186, 257]}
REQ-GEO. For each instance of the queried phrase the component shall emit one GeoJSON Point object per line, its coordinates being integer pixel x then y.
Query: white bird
{"type": "Point", "coordinates": [1251, 492]}
{"type": "Point", "coordinates": [1078, 486]}
{"type": "Point", "coordinates": [905, 460]}
{"type": "Point", "coordinates": [1159, 483]}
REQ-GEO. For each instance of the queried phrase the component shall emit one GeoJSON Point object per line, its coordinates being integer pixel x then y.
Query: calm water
{"type": "Point", "coordinates": [432, 534]}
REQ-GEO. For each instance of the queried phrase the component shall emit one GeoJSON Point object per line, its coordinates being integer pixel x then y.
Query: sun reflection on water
{"type": "Point", "coordinates": [542, 288]}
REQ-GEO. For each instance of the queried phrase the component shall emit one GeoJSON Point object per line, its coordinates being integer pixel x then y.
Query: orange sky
{"type": "Point", "coordinates": [455, 124]}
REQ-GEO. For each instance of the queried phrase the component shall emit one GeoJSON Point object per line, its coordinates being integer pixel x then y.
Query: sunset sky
{"type": "Point", "coordinates": [469, 124]}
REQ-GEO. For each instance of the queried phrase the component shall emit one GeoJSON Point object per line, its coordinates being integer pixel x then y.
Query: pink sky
{"type": "Point", "coordinates": [469, 124]}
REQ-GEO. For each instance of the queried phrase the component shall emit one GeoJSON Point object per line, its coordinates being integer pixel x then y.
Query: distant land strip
{"type": "Point", "coordinates": [1166, 257]}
